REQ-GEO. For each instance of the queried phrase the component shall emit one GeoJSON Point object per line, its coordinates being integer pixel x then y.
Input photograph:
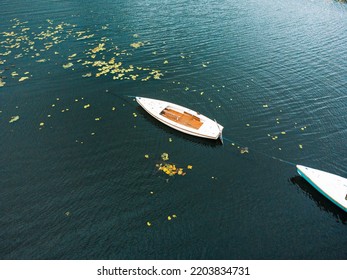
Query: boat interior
{"type": "Point", "coordinates": [184, 118]}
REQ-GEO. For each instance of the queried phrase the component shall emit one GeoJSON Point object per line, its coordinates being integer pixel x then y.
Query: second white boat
{"type": "Point", "coordinates": [182, 118]}
{"type": "Point", "coordinates": [332, 186]}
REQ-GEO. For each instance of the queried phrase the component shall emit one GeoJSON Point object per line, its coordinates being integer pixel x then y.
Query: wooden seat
{"type": "Point", "coordinates": [184, 118]}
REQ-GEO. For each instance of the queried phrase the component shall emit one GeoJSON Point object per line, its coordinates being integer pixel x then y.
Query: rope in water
{"type": "Point", "coordinates": [256, 151]}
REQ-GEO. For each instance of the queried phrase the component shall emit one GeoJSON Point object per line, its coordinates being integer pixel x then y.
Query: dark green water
{"type": "Point", "coordinates": [75, 182]}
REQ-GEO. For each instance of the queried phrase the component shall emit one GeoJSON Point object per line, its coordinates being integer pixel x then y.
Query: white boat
{"type": "Point", "coordinates": [332, 186]}
{"type": "Point", "coordinates": [181, 118]}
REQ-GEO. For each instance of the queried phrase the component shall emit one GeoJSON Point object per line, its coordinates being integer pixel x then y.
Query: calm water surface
{"type": "Point", "coordinates": [74, 177]}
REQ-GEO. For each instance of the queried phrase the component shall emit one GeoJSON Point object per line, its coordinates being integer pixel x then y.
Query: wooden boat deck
{"type": "Point", "coordinates": [184, 118]}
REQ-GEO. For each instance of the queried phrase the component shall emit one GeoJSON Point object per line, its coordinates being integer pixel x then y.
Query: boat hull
{"type": "Point", "coordinates": [332, 186]}
{"type": "Point", "coordinates": [203, 126]}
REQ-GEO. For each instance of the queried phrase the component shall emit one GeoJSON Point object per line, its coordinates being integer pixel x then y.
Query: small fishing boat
{"type": "Point", "coordinates": [181, 118]}
{"type": "Point", "coordinates": [332, 186]}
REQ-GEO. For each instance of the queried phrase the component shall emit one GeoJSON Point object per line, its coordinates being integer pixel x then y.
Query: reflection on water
{"type": "Point", "coordinates": [320, 200]}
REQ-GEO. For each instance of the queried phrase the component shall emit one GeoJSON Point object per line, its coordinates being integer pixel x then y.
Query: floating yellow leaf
{"type": "Point", "coordinates": [146, 156]}
{"type": "Point", "coordinates": [165, 156]}
{"type": "Point", "coordinates": [14, 119]}
{"type": "Point", "coordinates": [169, 218]}
{"type": "Point", "coordinates": [149, 224]}
{"type": "Point", "coordinates": [85, 37]}
{"type": "Point", "coordinates": [42, 124]}
{"type": "Point", "coordinates": [86, 106]}
{"type": "Point", "coordinates": [156, 74]}
{"type": "Point", "coordinates": [170, 169]}
{"type": "Point", "coordinates": [145, 79]}
{"type": "Point", "coordinates": [137, 45]}
{"type": "Point", "coordinates": [283, 132]}
{"type": "Point", "coordinates": [68, 65]}
{"type": "Point", "coordinates": [98, 119]}
{"type": "Point", "coordinates": [87, 75]}
{"type": "Point", "coordinates": [265, 106]}
{"type": "Point", "coordinates": [99, 48]}
{"type": "Point", "coordinates": [174, 216]}
{"type": "Point", "coordinates": [166, 62]}
{"type": "Point", "coordinates": [23, 79]}
{"type": "Point", "coordinates": [189, 167]}
{"type": "Point", "coordinates": [300, 146]}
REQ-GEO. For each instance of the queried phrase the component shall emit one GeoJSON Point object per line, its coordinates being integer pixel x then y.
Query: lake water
{"type": "Point", "coordinates": [78, 170]}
